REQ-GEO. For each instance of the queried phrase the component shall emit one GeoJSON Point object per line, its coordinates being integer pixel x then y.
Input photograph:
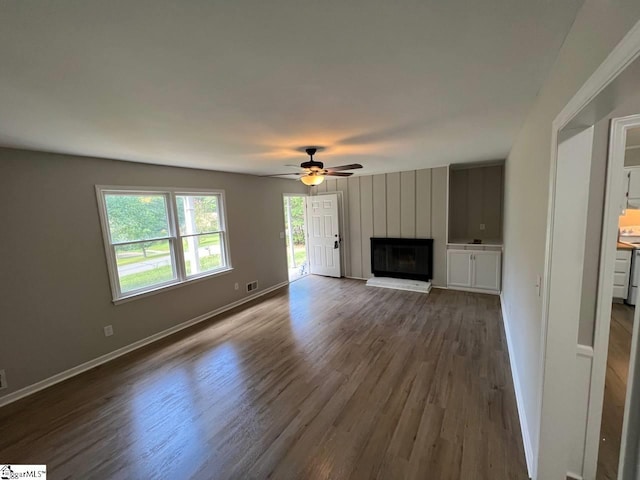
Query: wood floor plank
{"type": "Point", "coordinates": [326, 379]}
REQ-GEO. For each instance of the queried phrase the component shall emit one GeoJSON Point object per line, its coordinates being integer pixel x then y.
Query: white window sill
{"type": "Point", "coordinates": [164, 288]}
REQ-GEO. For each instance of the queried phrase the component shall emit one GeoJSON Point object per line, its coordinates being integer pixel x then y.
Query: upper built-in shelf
{"type": "Point", "coordinates": [476, 203]}
{"type": "Point", "coordinates": [469, 243]}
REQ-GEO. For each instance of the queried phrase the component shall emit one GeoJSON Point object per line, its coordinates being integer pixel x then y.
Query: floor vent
{"type": "Point", "coordinates": [252, 286]}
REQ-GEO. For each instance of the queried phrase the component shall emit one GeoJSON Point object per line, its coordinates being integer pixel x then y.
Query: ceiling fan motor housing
{"type": "Point", "coordinates": [312, 165]}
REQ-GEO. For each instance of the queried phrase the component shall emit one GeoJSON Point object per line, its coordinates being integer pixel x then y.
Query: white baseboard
{"type": "Point", "coordinates": [524, 426]}
{"type": "Point", "coordinates": [574, 476]}
{"type": "Point", "coordinates": [72, 372]}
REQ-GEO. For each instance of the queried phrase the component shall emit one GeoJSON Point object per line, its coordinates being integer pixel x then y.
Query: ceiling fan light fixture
{"type": "Point", "coordinates": [312, 180]}
{"type": "Point", "coordinates": [314, 171]}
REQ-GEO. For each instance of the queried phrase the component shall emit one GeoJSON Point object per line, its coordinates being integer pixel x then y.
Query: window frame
{"type": "Point", "coordinates": [222, 229]}
{"type": "Point", "coordinates": [174, 238]}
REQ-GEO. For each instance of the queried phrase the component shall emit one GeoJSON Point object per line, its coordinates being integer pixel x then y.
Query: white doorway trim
{"type": "Point", "coordinates": [548, 448]}
{"type": "Point", "coordinates": [564, 283]}
{"type": "Point", "coordinates": [613, 207]}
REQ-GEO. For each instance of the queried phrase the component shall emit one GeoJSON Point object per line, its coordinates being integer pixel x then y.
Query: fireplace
{"type": "Point", "coordinates": [409, 258]}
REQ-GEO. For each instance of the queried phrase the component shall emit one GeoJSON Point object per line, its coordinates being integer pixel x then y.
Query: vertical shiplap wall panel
{"type": "Point", "coordinates": [322, 188]}
{"type": "Point", "coordinates": [355, 236]}
{"type": "Point", "coordinates": [379, 205]}
{"type": "Point", "coordinates": [343, 186]}
{"type": "Point", "coordinates": [439, 224]}
{"type": "Point", "coordinates": [366, 223]}
{"type": "Point", "coordinates": [384, 206]}
{"type": "Point", "coordinates": [408, 204]}
{"type": "Point", "coordinates": [423, 203]}
{"type": "Point", "coordinates": [393, 205]}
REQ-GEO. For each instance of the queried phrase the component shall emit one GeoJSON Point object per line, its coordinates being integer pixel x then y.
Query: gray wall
{"type": "Point", "coordinates": [476, 198]}
{"type": "Point", "coordinates": [598, 27]}
{"type": "Point", "coordinates": [55, 292]}
{"type": "Point", "coordinates": [403, 204]}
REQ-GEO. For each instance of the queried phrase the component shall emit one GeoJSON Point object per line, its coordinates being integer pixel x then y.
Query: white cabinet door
{"type": "Point", "coordinates": [634, 182]}
{"type": "Point", "coordinates": [621, 275]}
{"type": "Point", "coordinates": [459, 268]}
{"type": "Point", "coordinates": [486, 270]}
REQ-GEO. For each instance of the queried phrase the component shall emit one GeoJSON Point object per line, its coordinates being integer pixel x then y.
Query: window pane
{"type": "Point", "coordinates": [202, 253]}
{"type": "Point", "coordinates": [198, 214]}
{"type": "Point", "coordinates": [136, 217]}
{"type": "Point", "coordinates": [143, 265]}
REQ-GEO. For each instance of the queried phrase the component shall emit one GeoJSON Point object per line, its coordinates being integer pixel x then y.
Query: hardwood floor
{"type": "Point", "coordinates": [615, 389]}
{"type": "Point", "coordinates": [328, 379]}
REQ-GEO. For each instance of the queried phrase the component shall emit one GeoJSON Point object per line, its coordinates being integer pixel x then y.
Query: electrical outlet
{"type": "Point", "coordinates": [237, 286]}
{"type": "Point", "coordinates": [108, 330]}
{"type": "Point", "coordinates": [482, 226]}
{"type": "Point", "coordinates": [3, 379]}
{"type": "Point", "coordinates": [281, 234]}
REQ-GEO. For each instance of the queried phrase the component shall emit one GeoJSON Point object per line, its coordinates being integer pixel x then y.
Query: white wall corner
{"type": "Point", "coordinates": [524, 425]}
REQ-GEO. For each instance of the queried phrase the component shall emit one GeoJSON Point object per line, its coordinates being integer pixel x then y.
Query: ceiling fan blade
{"type": "Point", "coordinates": [338, 174]}
{"type": "Point", "coordinates": [352, 166]}
{"type": "Point", "coordinates": [282, 174]}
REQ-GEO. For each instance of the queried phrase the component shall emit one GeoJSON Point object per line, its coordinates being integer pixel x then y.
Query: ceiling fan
{"type": "Point", "coordinates": [314, 172]}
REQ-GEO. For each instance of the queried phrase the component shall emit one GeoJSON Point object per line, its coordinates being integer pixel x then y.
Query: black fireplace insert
{"type": "Point", "coordinates": [410, 258]}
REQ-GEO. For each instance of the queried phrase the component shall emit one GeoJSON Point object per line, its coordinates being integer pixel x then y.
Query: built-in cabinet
{"type": "Point", "coordinates": [474, 270]}
{"type": "Point", "coordinates": [621, 274]}
{"type": "Point", "coordinates": [474, 227]}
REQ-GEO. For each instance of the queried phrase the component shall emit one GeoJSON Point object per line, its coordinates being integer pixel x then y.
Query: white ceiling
{"type": "Point", "coordinates": [242, 85]}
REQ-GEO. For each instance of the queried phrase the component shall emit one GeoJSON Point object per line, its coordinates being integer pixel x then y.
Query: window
{"type": "Point", "coordinates": [160, 238]}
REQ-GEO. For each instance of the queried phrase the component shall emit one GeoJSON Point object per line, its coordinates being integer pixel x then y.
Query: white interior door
{"type": "Point", "coordinates": [324, 235]}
